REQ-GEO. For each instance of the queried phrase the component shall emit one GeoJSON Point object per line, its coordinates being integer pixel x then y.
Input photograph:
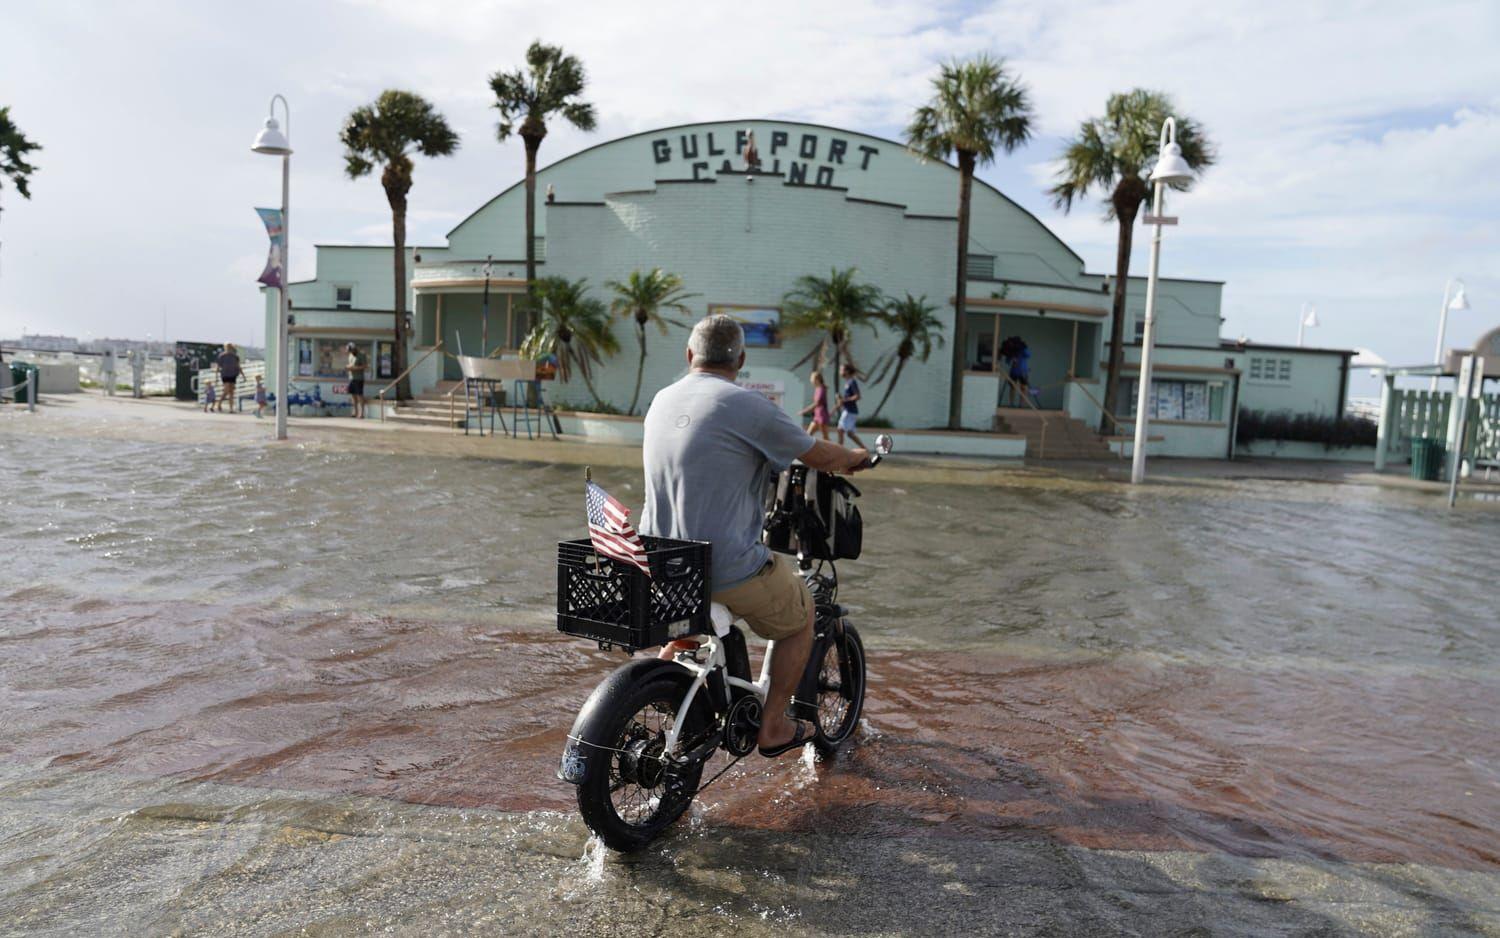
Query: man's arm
{"type": "Point", "coordinates": [831, 457]}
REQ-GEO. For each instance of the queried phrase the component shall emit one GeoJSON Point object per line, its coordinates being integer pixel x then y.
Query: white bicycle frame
{"type": "Point", "coordinates": [713, 647]}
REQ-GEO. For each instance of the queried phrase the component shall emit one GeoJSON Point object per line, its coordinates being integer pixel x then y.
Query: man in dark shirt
{"type": "Point", "coordinates": [228, 363]}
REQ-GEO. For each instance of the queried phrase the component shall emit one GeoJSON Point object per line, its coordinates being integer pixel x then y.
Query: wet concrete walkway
{"type": "Point", "coordinates": [258, 688]}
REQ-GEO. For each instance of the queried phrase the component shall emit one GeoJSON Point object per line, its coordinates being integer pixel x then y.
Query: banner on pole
{"type": "Point", "coordinates": [272, 275]}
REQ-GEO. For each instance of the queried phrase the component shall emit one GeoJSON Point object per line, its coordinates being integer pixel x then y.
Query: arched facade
{"type": "Point", "coordinates": [684, 199]}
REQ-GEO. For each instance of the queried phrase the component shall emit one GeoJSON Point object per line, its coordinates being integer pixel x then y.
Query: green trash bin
{"type": "Point", "coordinates": [19, 371]}
{"type": "Point", "coordinates": [1427, 457]}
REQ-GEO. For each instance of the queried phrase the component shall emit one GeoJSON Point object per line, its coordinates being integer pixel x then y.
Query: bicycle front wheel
{"type": "Point", "coordinates": [841, 689]}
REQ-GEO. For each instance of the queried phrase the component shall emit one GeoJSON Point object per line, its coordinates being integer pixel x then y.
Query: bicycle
{"type": "Point", "coordinates": [639, 745]}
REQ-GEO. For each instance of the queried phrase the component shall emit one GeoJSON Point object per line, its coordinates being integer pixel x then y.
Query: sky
{"type": "Point", "coordinates": [1359, 142]}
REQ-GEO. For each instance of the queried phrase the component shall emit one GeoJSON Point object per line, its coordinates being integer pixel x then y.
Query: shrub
{"type": "Point", "coordinates": [876, 423]}
{"type": "Point", "coordinates": [591, 407]}
{"type": "Point", "coordinates": [1306, 428]}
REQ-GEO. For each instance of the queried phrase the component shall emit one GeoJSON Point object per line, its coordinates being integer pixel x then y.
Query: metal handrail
{"type": "Point", "coordinates": [1016, 389]}
{"type": "Point", "coordinates": [380, 398]}
{"type": "Point", "coordinates": [1112, 418]}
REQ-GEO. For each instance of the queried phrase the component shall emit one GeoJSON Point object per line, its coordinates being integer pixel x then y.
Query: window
{"type": "Point", "coordinates": [981, 267]}
{"type": "Point", "coordinates": [1140, 329]}
{"type": "Point", "coordinates": [1190, 401]}
{"type": "Point", "coordinates": [1278, 370]}
{"type": "Point", "coordinates": [539, 247]}
{"type": "Point", "coordinates": [343, 296]}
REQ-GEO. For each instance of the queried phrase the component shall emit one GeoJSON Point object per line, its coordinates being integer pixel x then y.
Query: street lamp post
{"type": "Point", "coordinates": [1170, 168]}
{"type": "Point", "coordinates": [1308, 320]}
{"type": "Point", "coordinates": [273, 142]}
{"type": "Point", "coordinates": [1457, 302]}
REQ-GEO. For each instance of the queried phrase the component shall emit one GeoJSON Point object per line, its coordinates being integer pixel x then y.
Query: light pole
{"type": "Point", "coordinates": [1457, 302]}
{"type": "Point", "coordinates": [1170, 168]}
{"type": "Point", "coordinates": [273, 142]}
{"type": "Point", "coordinates": [1309, 320]}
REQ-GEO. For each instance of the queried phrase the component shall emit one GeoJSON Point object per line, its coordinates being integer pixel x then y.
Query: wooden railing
{"type": "Point", "coordinates": [396, 381]}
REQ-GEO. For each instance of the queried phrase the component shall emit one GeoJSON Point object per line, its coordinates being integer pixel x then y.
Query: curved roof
{"type": "Point", "coordinates": [765, 120]}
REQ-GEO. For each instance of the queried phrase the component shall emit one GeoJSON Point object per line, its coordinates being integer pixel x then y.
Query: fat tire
{"type": "Point", "coordinates": [854, 647]}
{"type": "Point", "coordinates": [593, 789]}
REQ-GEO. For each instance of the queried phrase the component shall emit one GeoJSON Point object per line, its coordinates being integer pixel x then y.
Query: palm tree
{"type": "Point", "coordinates": [643, 297]}
{"type": "Point", "coordinates": [550, 84]}
{"type": "Point", "coordinates": [832, 307]}
{"type": "Point", "coordinates": [570, 325]}
{"type": "Point", "coordinates": [977, 106]}
{"type": "Point", "coordinates": [1115, 153]}
{"type": "Point", "coordinates": [386, 134]}
{"type": "Point", "coordinates": [916, 321]}
{"type": "Point", "coordinates": [13, 149]}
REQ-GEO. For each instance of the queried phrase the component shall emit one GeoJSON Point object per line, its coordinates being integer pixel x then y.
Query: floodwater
{"type": "Point", "coordinates": [263, 690]}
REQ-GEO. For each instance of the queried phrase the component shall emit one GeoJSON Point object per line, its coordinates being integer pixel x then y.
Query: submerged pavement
{"type": "Point", "coordinates": [258, 688]}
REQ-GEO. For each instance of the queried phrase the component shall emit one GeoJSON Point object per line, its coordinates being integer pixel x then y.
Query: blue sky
{"type": "Point", "coordinates": [1358, 140]}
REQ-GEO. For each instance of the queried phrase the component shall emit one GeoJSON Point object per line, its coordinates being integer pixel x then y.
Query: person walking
{"type": "Point", "coordinates": [819, 406]}
{"type": "Point", "coordinates": [107, 372]}
{"type": "Point", "coordinates": [228, 364]}
{"type": "Point", "coordinates": [356, 366]}
{"type": "Point", "coordinates": [849, 398]}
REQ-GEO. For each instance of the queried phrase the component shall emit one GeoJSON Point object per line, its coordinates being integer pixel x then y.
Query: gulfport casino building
{"type": "Point", "coordinates": [683, 199]}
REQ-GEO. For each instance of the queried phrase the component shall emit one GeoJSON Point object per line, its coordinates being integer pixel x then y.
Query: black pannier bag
{"type": "Point", "coordinates": [830, 529]}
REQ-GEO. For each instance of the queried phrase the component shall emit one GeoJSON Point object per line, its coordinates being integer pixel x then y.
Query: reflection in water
{"type": "Point", "coordinates": [1246, 673]}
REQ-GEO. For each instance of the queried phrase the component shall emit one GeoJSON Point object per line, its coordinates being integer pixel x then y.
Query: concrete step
{"type": "Point", "coordinates": [1052, 434]}
{"type": "Point", "coordinates": [431, 420]}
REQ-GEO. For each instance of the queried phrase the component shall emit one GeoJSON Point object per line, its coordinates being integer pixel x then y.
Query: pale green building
{"type": "Point", "coordinates": [683, 199]}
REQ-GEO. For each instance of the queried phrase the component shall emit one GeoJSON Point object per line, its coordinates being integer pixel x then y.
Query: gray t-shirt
{"type": "Point", "coordinates": [710, 450]}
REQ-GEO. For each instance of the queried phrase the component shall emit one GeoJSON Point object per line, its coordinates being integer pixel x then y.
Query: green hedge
{"type": "Point", "coordinates": [1306, 428]}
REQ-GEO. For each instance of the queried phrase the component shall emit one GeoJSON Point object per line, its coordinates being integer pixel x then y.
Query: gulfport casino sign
{"type": "Point", "coordinates": [803, 157]}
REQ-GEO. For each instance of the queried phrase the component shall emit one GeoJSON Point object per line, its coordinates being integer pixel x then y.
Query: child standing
{"type": "Point", "coordinates": [819, 406]}
{"type": "Point", "coordinates": [260, 396]}
{"type": "Point", "coordinates": [209, 397]}
{"type": "Point", "coordinates": [849, 398]}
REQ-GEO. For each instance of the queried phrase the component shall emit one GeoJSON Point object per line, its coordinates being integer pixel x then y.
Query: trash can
{"type": "Point", "coordinates": [1427, 457]}
{"type": "Point", "coordinates": [19, 372]}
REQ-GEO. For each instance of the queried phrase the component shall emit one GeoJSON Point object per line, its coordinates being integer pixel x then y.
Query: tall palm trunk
{"type": "Point", "coordinates": [838, 360]}
{"type": "Point", "coordinates": [900, 363]}
{"type": "Point", "coordinates": [1127, 201]}
{"type": "Point", "coordinates": [960, 293]}
{"type": "Point", "coordinates": [397, 197]}
{"type": "Point", "coordinates": [640, 368]}
{"type": "Point", "coordinates": [533, 143]}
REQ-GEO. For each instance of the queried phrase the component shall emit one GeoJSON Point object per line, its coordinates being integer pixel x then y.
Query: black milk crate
{"type": "Point", "coordinates": [614, 603]}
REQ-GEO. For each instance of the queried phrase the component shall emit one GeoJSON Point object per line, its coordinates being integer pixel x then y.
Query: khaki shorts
{"type": "Point", "coordinates": [775, 602]}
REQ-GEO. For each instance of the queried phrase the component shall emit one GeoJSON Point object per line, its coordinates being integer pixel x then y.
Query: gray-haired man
{"type": "Point", "coordinates": [711, 448]}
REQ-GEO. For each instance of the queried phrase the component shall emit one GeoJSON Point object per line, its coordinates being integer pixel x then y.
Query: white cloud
{"type": "Point", "coordinates": [1356, 138]}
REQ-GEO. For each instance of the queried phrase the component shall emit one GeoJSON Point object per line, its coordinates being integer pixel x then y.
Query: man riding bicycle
{"type": "Point", "coordinates": [711, 449]}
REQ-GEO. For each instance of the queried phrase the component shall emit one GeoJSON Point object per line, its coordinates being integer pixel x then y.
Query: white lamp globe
{"type": "Point", "coordinates": [271, 140]}
{"type": "Point", "coordinates": [1170, 166]}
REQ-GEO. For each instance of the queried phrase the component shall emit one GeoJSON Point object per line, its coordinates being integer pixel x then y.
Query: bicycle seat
{"type": "Point", "coordinates": [723, 619]}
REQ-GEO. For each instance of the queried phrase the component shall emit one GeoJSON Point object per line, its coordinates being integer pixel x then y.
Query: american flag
{"type": "Point", "coordinates": [611, 531]}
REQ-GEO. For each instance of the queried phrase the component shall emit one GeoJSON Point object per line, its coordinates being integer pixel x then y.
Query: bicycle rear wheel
{"type": "Point", "coordinates": [841, 689]}
{"type": "Point", "coordinates": [633, 795]}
